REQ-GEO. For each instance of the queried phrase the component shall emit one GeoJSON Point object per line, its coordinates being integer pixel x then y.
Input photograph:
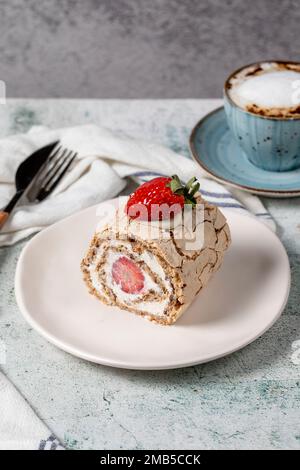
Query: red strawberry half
{"type": "Point", "coordinates": [161, 198]}
{"type": "Point", "coordinates": [127, 274]}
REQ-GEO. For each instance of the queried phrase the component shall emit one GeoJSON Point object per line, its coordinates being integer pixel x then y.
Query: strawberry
{"type": "Point", "coordinates": [153, 199]}
{"type": "Point", "coordinates": [128, 275]}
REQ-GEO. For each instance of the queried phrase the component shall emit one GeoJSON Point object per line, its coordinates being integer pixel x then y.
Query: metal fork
{"type": "Point", "coordinates": [50, 174]}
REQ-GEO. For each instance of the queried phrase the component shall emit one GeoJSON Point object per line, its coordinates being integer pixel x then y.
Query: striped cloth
{"type": "Point", "coordinates": [20, 427]}
{"type": "Point", "coordinates": [52, 443]}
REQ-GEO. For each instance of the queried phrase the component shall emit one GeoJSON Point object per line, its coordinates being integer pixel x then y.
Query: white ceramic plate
{"type": "Point", "coordinates": [240, 303]}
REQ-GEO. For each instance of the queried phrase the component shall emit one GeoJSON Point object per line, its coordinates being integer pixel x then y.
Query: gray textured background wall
{"type": "Point", "coordinates": [139, 48]}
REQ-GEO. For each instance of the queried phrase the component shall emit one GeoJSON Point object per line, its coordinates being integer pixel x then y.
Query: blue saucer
{"type": "Point", "coordinates": [216, 151]}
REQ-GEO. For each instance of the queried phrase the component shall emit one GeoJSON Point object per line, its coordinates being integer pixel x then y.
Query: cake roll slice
{"type": "Point", "coordinates": [155, 266]}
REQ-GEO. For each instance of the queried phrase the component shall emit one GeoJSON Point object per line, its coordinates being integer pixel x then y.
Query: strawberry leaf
{"type": "Point", "coordinates": [188, 191]}
{"type": "Point", "coordinates": [190, 183]}
{"type": "Point", "coordinates": [194, 189]}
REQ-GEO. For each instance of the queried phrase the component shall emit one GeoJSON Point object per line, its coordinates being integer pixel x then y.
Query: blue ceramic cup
{"type": "Point", "coordinates": [271, 143]}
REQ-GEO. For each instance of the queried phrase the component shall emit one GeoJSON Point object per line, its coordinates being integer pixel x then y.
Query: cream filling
{"type": "Point", "coordinates": [149, 284]}
{"type": "Point", "coordinates": [94, 273]}
{"type": "Point", "coordinates": [156, 308]}
{"type": "Point", "coordinates": [156, 268]}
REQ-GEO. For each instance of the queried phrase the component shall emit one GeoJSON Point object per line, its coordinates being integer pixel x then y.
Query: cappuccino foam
{"type": "Point", "coordinates": [270, 89]}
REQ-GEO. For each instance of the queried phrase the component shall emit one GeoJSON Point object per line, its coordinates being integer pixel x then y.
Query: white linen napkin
{"type": "Point", "coordinates": [20, 428]}
{"type": "Point", "coordinates": [104, 160]}
{"type": "Point", "coordinates": [98, 174]}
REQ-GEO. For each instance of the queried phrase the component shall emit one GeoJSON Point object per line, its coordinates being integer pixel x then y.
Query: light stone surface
{"type": "Point", "coordinates": [249, 399]}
